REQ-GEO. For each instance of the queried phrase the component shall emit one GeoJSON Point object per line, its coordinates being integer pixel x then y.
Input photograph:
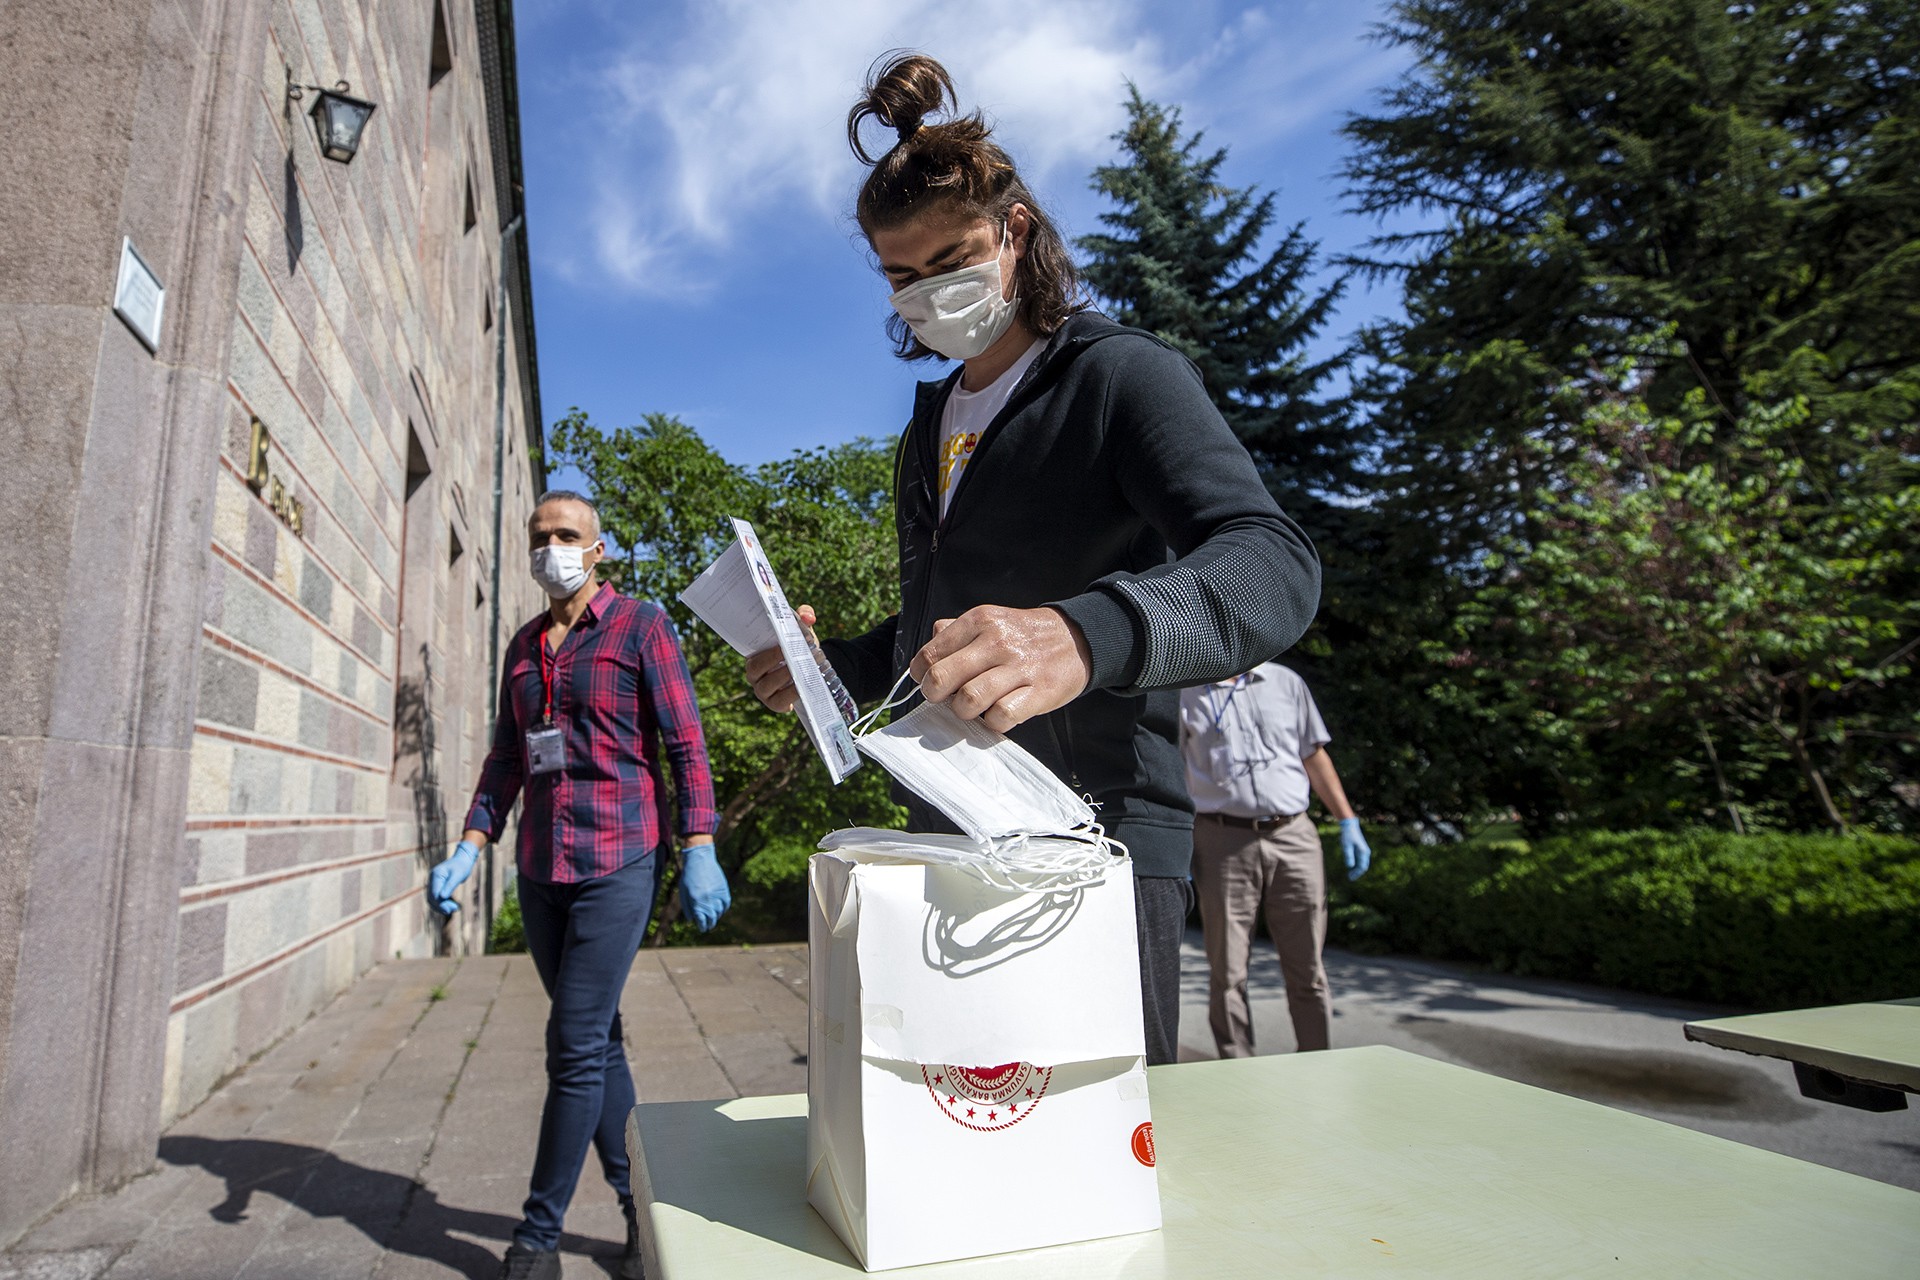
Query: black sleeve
{"type": "Point", "coordinates": [865, 663]}
{"type": "Point", "coordinates": [1246, 581]}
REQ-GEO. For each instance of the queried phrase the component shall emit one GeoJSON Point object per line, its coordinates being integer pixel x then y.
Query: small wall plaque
{"type": "Point", "coordinates": [138, 297]}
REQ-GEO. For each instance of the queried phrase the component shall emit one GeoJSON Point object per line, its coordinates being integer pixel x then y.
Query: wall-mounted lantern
{"type": "Point", "coordinates": [339, 118]}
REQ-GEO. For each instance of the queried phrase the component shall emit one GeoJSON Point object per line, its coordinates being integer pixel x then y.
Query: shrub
{"type": "Point", "coordinates": [780, 866]}
{"type": "Point", "coordinates": [769, 891]}
{"type": "Point", "coordinates": [507, 933]}
{"type": "Point", "coordinates": [1772, 921]}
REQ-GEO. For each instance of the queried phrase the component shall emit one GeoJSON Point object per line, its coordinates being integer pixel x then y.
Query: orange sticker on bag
{"type": "Point", "coordinates": [1143, 1144]}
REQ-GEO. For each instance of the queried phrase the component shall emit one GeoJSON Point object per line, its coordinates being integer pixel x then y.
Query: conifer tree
{"type": "Point", "coordinates": [1182, 258]}
{"type": "Point", "coordinates": [1742, 177]}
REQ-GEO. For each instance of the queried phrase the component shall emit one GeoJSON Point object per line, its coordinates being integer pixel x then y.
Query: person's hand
{"type": "Point", "coordinates": [703, 887]}
{"type": "Point", "coordinates": [450, 875]}
{"type": "Point", "coordinates": [1354, 848]}
{"type": "Point", "coordinates": [767, 670]}
{"type": "Point", "coordinates": [1003, 666]}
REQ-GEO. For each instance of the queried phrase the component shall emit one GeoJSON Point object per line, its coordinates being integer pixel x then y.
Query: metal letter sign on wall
{"type": "Point", "coordinates": [262, 481]}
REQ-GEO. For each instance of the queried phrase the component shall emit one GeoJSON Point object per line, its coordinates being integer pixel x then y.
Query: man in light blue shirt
{"type": "Point", "coordinates": [1255, 748]}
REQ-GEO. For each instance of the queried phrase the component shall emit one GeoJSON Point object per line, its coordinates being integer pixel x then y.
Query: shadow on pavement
{"type": "Point", "coordinates": [1427, 986]}
{"type": "Point", "coordinates": [393, 1211]}
{"type": "Point", "coordinates": [1445, 985]}
{"type": "Point", "coordinates": [1622, 1077]}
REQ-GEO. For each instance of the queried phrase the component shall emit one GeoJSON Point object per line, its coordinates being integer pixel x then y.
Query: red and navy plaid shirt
{"type": "Point", "coordinates": [621, 694]}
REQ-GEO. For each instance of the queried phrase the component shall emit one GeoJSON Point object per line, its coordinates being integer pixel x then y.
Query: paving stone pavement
{"type": "Point", "coordinates": [391, 1136]}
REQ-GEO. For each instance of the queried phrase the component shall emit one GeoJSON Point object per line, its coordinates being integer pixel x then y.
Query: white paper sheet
{"type": "Point", "coordinates": [725, 599]}
{"type": "Point", "coordinates": [740, 598]}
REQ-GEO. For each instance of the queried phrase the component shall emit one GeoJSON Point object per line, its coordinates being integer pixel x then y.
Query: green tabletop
{"type": "Point", "coordinates": [1356, 1162]}
{"type": "Point", "coordinates": [1879, 1042]}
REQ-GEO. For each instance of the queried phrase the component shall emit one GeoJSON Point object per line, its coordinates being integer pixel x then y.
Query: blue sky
{"type": "Point", "coordinates": [689, 184]}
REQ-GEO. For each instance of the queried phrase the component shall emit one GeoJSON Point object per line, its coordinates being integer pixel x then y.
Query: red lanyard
{"type": "Point", "coordinates": [549, 667]}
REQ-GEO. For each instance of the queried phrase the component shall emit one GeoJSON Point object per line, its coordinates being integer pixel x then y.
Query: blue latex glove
{"type": "Point", "coordinates": [450, 875]}
{"type": "Point", "coordinates": [704, 896]}
{"type": "Point", "coordinates": [1354, 848]}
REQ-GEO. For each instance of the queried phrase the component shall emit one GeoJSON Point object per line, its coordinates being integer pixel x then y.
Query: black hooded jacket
{"type": "Point", "coordinates": [1108, 487]}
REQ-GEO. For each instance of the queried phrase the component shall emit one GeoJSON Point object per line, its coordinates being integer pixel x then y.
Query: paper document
{"type": "Point", "coordinates": [740, 598]}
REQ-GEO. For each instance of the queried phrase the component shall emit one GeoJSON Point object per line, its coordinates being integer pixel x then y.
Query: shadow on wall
{"type": "Point", "coordinates": [393, 1211]}
{"type": "Point", "coordinates": [290, 194]}
{"type": "Point", "coordinates": [415, 738]}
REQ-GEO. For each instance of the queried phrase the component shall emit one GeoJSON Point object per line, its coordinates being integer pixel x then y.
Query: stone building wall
{"type": "Point", "coordinates": [343, 669]}
{"type": "Point", "coordinates": [255, 722]}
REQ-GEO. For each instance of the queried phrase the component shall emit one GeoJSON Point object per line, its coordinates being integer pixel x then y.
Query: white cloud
{"type": "Point", "coordinates": [1271, 74]}
{"type": "Point", "coordinates": [739, 113]}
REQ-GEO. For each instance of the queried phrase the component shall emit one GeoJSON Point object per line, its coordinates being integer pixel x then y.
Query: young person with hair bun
{"type": "Point", "coordinates": [1081, 534]}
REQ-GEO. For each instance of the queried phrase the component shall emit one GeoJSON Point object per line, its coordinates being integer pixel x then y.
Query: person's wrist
{"type": "Point", "coordinates": [1115, 642]}
{"type": "Point", "coordinates": [1082, 660]}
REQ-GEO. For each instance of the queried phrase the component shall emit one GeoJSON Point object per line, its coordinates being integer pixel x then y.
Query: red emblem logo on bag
{"type": "Point", "coordinates": [1143, 1144]}
{"type": "Point", "coordinates": [987, 1098]}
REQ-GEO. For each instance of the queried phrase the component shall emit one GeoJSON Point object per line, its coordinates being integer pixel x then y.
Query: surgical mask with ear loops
{"type": "Point", "coordinates": [559, 570]}
{"type": "Point", "coordinates": [1025, 830]}
{"type": "Point", "coordinates": [962, 313]}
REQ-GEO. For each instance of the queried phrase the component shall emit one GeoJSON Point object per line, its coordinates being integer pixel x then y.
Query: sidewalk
{"type": "Point", "coordinates": [392, 1135]}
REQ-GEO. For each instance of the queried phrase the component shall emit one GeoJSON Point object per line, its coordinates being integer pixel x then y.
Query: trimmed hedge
{"type": "Point", "coordinates": [1771, 921]}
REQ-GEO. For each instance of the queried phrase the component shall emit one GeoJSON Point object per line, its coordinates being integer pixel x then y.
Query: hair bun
{"type": "Point", "coordinates": [903, 88]}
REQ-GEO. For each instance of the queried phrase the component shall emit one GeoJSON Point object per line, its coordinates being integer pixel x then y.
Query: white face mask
{"type": "Point", "coordinates": [988, 784]}
{"type": "Point", "coordinates": [961, 313]}
{"type": "Point", "coordinates": [560, 571]}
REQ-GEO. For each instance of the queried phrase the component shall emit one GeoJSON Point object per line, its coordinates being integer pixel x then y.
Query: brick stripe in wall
{"type": "Point", "coordinates": [280, 593]}
{"type": "Point", "coordinates": [309, 546]}
{"type": "Point", "coordinates": [257, 280]}
{"type": "Point", "coordinates": [188, 999]}
{"type": "Point", "coordinates": [203, 893]}
{"type": "Point", "coordinates": [260, 659]}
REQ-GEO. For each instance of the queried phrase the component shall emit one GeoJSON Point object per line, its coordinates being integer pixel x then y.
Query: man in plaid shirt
{"type": "Point", "coordinates": [593, 693]}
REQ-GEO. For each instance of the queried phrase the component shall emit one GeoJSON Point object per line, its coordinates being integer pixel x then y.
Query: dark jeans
{"type": "Point", "coordinates": [1160, 921]}
{"type": "Point", "coordinates": [583, 938]}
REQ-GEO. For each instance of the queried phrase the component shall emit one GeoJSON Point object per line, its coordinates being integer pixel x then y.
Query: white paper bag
{"type": "Point", "coordinates": [976, 1075]}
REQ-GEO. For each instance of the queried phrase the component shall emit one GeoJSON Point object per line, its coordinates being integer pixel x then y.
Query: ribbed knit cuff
{"type": "Point", "coordinates": [1115, 638]}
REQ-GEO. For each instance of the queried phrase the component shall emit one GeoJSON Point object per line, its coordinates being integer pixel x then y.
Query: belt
{"type": "Point", "coordinates": [1253, 824]}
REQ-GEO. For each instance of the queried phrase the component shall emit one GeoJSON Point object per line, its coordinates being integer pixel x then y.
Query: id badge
{"type": "Point", "coordinates": [546, 750]}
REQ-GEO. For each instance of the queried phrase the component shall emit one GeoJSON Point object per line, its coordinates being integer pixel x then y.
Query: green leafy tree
{"type": "Point", "coordinates": [1564, 178]}
{"type": "Point", "coordinates": [1669, 596]}
{"type": "Point", "coordinates": [665, 498]}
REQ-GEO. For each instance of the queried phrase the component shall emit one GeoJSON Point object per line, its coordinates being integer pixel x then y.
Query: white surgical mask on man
{"type": "Point", "coordinates": [560, 571]}
{"type": "Point", "coordinates": [962, 313]}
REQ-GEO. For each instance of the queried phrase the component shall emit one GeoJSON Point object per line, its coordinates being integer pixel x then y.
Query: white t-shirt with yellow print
{"type": "Point", "coordinates": [966, 417]}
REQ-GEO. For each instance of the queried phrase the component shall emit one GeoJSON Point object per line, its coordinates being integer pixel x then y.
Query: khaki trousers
{"type": "Point", "coordinates": [1238, 873]}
